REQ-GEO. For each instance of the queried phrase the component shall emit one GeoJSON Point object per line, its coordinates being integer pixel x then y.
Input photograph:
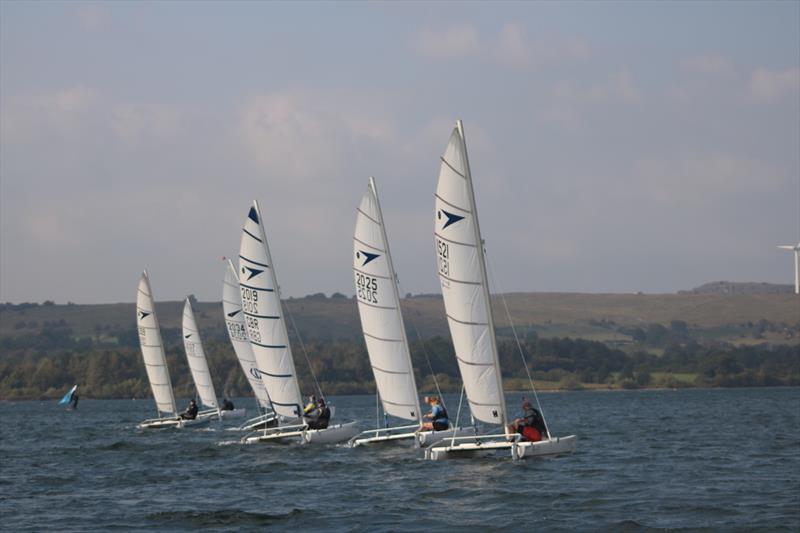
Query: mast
{"type": "Point", "coordinates": [484, 277]}
{"type": "Point", "coordinates": [390, 263]}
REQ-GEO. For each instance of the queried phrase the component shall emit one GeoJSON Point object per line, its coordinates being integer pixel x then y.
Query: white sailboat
{"type": "Point", "coordinates": [198, 364]}
{"type": "Point", "coordinates": [384, 333]}
{"type": "Point", "coordinates": [462, 273]}
{"type": "Point", "coordinates": [266, 330]}
{"type": "Point", "coordinates": [237, 333]}
{"type": "Point", "coordinates": [155, 361]}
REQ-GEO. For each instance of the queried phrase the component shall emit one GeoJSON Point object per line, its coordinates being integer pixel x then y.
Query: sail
{"type": "Point", "coordinates": [68, 396]}
{"type": "Point", "coordinates": [155, 361]}
{"type": "Point", "coordinates": [266, 327]}
{"type": "Point", "coordinates": [196, 357]}
{"type": "Point", "coordinates": [379, 308]}
{"type": "Point", "coordinates": [237, 332]}
{"type": "Point", "coordinates": [462, 274]}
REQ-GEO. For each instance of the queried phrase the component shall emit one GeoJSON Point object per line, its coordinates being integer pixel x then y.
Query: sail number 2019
{"type": "Point", "coordinates": [367, 288]}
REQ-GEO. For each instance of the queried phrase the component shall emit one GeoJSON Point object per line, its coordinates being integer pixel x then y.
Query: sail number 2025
{"type": "Point", "coordinates": [367, 287]}
{"type": "Point", "coordinates": [443, 256]}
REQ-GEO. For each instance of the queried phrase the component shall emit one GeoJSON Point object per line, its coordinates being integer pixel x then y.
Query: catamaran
{"type": "Point", "coordinates": [155, 362]}
{"type": "Point", "coordinates": [384, 333]}
{"type": "Point", "coordinates": [198, 364]}
{"type": "Point", "coordinates": [237, 333]}
{"type": "Point", "coordinates": [461, 264]}
{"type": "Point", "coordinates": [266, 330]}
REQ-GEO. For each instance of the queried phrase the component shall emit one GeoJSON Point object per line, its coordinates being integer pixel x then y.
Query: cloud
{"type": "Point", "coordinates": [514, 48]}
{"type": "Point", "coordinates": [456, 41]}
{"type": "Point", "coordinates": [709, 64]}
{"type": "Point", "coordinates": [568, 100]}
{"type": "Point", "coordinates": [769, 85]}
{"type": "Point", "coordinates": [510, 47]}
{"type": "Point", "coordinates": [704, 179]}
{"type": "Point", "coordinates": [307, 134]}
{"type": "Point", "coordinates": [91, 17]}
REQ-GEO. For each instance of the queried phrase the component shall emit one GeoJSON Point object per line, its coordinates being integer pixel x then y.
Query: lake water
{"type": "Point", "coordinates": [693, 460]}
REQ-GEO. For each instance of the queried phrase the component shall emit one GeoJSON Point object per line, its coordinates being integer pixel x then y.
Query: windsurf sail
{"type": "Point", "coordinates": [68, 396]}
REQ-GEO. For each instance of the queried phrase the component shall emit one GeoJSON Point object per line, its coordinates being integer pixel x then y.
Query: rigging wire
{"type": "Point", "coordinates": [410, 318]}
{"type": "Point", "coordinates": [303, 347]}
{"type": "Point", "coordinates": [519, 345]}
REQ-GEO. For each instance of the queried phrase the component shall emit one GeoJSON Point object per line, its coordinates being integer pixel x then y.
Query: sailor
{"type": "Point", "coordinates": [74, 400]}
{"type": "Point", "coordinates": [311, 406]}
{"type": "Point", "coordinates": [191, 411]}
{"type": "Point", "coordinates": [437, 417]}
{"type": "Point", "coordinates": [531, 425]}
{"type": "Point", "coordinates": [319, 417]}
{"type": "Point", "coordinates": [227, 405]}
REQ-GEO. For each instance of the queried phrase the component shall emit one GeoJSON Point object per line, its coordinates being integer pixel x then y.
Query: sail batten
{"type": "Point", "coordinates": [152, 348]}
{"type": "Point", "coordinates": [379, 309]}
{"type": "Point", "coordinates": [462, 275]}
{"type": "Point", "coordinates": [263, 317]}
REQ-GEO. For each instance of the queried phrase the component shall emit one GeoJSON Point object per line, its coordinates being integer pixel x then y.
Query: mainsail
{"type": "Point", "coordinates": [379, 308]}
{"type": "Point", "coordinates": [197, 358]}
{"type": "Point", "coordinates": [237, 332]}
{"type": "Point", "coordinates": [155, 361]}
{"type": "Point", "coordinates": [266, 327]}
{"type": "Point", "coordinates": [462, 273]}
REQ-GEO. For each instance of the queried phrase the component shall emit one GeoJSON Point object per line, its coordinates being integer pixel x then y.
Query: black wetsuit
{"type": "Point", "coordinates": [190, 413]}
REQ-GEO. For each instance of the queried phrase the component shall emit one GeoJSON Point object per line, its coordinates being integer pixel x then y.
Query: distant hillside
{"type": "Point", "coordinates": [732, 287]}
{"type": "Point", "coordinates": [590, 316]}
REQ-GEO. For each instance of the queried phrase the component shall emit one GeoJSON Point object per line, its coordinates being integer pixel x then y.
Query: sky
{"type": "Point", "coordinates": [614, 146]}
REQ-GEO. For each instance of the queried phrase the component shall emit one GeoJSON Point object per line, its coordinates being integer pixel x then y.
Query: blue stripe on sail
{"type": "Point", "coordinates": [253, 236]}
{"type": "Point", "coordinates": [254, 262]}
{"type": "Point", "coordinates": [252, 215]}
{"type": "Point", "coordinates": [275, 346]}
{"type": "Point", "coordinates": [256, 288]}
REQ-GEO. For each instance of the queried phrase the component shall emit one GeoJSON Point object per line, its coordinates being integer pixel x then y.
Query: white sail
{"type": "Point", "coordinates": [155, 361]}
{"type": "Point", "coordinates": [237, 332]}
{"type": "Point", "coordinates": [196, 357]}
{"type": "Point", "coordinates": [266, 327]}
{"type": "Point", "coordinates": [462, 273]}
{"type": "Point", "coordinates": [379, 308]}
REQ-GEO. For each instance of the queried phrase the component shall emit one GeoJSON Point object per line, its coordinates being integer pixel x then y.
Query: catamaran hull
{"type": "Point", "coordinates": [426, 438]}
{"type": "Point", "coordinates": [162, 423]}
{"type": "Point", "coordinates": [413, 438]}
{"type": "Point", "coordinates": [517, 450]}
{"type": "Point", "coordinates": [332, 434]}
{"type": "Point", "coordinates": [233, 413]}
{"type": "Point", "coordinates": [260, 422]}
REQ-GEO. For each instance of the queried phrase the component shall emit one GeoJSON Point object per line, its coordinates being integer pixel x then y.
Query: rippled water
{"type": "Point", "coordinates": [714, 460]}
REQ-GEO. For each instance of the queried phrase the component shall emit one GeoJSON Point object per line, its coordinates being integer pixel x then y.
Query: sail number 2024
{"type": "Point", "coordinates": [367, 287]}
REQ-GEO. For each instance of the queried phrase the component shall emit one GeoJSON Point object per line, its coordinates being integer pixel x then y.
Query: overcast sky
{"type": "Point", "coordinates": [615, 147]}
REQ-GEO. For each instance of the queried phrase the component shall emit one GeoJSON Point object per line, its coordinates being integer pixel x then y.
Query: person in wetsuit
{"type": "Point", "coordinates": [227, 405]}
{"type": "Point", "coordinates": [438, 420]}
{"type": "Point", "coordinates": [74, 400]}
{"type": "Point", "coordinates": [531, 426]}
{"type": "Point", "coordinates": [319, 417]}
{"type": "Point", "coordinates": [191, 411]}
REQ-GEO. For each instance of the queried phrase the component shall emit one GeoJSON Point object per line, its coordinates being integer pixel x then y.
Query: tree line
{"type": "Point", "coordinates": [47, 364]}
